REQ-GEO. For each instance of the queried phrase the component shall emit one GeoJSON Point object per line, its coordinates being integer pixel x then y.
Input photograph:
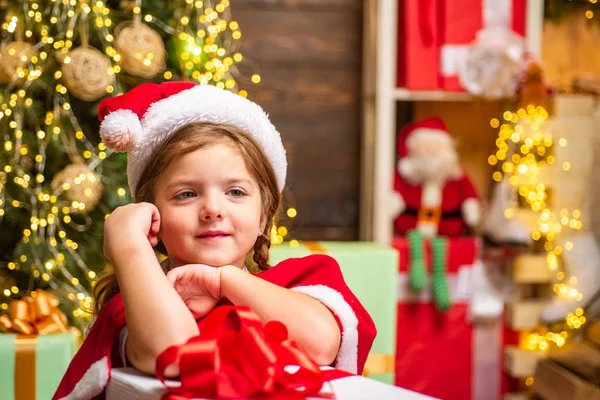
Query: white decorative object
{"type": "Point", "coordinates": [142, 49]}
{"type": "Point", "coordinates": [79, 184]}
{"type": "Point", "coordinates": [493, 64]}
{"type": "Point", "coordinates": [13, 56]}
{"type": "Point", "coordinates": [128, 383]}
{"type": "Point", "coordinates": [86, 73]}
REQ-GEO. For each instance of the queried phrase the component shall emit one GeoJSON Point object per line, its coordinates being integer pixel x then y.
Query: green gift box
{"type": "Point", "coordinates": [32, 366]}
{"type": "Point", "coordinates": [370, 270]}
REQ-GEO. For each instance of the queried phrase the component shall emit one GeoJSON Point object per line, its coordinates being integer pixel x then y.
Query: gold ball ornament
{"type": "Point", "coordinates": [142, 50]}
{"type": "Point", "coordinates": [79, 184]}
{"type": "Point", "coordinates": [14, 56]}
{"type": "Point", "coordinates": [86, 73]}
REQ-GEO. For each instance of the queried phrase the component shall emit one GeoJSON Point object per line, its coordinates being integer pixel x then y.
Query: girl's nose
{"type": "Point", "coordinates": [211, 209]}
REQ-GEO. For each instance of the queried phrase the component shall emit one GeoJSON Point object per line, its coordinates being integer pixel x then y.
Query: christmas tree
{"type": "Point", "coordinates": [58, 182]}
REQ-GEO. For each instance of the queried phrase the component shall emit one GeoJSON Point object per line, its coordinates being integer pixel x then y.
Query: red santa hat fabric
{"type": "Point", "coordinates": [430, 126]}
{"type": "Point", "coordinates": [140, 120]}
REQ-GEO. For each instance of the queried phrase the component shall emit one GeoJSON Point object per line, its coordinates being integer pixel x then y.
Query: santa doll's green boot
{"type": "Point", "coordinates": [416, 255]}
{"type": "Point", "coordinates": [439, 282]}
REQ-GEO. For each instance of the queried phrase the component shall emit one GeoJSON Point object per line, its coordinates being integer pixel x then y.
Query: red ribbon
{"type": "Point", "coordinates": [235, 356]}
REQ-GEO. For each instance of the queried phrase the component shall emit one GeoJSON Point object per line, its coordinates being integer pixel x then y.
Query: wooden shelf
{"type": "Point", "coordinates": [430, 95]}
{"type": "Point", "coordinates": [383, 34]}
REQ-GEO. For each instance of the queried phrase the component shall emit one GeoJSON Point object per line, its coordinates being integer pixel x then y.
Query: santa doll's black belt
{"type": "Point", "coordinates": [445, 214]}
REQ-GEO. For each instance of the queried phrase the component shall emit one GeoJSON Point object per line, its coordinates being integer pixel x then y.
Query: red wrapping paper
{"type": "Point", "coordinates": [437, 354]}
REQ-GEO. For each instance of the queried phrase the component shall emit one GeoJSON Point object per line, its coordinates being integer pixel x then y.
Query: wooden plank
{"type": "Point", "coordinates": [592, 332]}
{"type": "Point", "coordinates": [317, 5]}
{"type": "Point", "coordinates": [308, 94]}
{"type": "Point", "coordinates": [323, 177]}
{"type": "Point", "coordinates": [369, 113]}
{"type": "Point", "coordinates": [522, 314]}
{"type": "Point", "coordinates": [515, 396]}
{"type": "Point", "coordinates": [552, 382]}
{"type": "Point", "coordinates": [327, 38]}
{"type": "Point", "coordinates": [319, 120]}
{"type": "Point", "coordinates": [531, 268]}
{"type": "Point", "coordinates": [520, 363]}
{"type": "Point", "coordinates": [582, 359]}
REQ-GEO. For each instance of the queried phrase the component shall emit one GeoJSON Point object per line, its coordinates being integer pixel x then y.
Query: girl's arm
{"type": "Point", "coordinates": [309, 322]}
{"type": "Point", "coordinates": [156, 315]}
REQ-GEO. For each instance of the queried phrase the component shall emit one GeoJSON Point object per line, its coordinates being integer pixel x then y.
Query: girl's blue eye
{"type": "Point", "coordinates": [185, 195]}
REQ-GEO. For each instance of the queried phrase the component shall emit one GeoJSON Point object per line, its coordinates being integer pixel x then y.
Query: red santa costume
{"type": "Point", "coordinates": [142, 119]}
{"type": "Point", "coordinates": [317, 276]}
{"type": "Point", "coordinates": [436, 202]}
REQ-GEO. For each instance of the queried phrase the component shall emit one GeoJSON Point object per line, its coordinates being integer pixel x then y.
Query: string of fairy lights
{"type": "Point", "coordinates": [35, 37]}
{"type": "Point", "coordinates": [524, 149]}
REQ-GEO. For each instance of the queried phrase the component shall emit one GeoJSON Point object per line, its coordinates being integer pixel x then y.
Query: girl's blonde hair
{"type": "Point", "coordinates": [183, 141]}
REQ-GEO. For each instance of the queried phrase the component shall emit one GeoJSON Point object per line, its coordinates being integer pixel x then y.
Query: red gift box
{"type": "Point", "coordinates": [434, 35]}
{"type": "Point", "coordinates": [444, 355]}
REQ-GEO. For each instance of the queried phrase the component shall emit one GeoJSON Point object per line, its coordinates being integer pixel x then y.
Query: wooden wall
{"type": "Point", "coordinates": [570, 49]}
{"type": "Point", "coordinates": [309, 54]}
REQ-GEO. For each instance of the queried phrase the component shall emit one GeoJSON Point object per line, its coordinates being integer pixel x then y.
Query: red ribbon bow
{"type": "Point", "coordinates": [236, 357]}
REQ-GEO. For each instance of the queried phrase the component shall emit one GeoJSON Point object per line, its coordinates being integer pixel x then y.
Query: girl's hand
{"type": "Point", "coordinates": [198, 285]}
{"type": "Point", "coordinates": [128, 226]}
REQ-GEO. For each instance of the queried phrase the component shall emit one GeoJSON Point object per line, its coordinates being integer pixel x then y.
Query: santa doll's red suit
{"type": "Point", "coordinates": [317, 276]}
{"type": "Point", "coordinates": [443, 205]}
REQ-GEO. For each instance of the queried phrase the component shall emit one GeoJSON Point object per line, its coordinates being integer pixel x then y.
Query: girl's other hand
{"type": "Point", "coordinates": [128, 226]}
{"type": "Point", "coordinates": [198, 285]}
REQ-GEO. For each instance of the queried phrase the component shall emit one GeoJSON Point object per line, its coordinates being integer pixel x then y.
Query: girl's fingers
{"type": "Point", "coordinates": [174, 274]}
{"type": "Point", "coordinates": [154, 226]}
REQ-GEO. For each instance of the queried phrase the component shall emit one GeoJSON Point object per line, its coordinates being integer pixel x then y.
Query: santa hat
{"type": "Point", "coordinates": [414, 131]}
{"type": "Point", "coordinates": [142, 119]}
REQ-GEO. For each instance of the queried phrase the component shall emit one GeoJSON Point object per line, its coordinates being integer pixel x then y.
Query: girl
{"type": "Point", "coordinates": [207, 169]}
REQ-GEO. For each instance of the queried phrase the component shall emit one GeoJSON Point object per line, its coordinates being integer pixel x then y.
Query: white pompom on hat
{"type": "Point", "coordinates": [140, 120]}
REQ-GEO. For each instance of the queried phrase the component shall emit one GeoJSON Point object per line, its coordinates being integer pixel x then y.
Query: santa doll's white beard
{"type": "Point", "coordinates": [439, 168]}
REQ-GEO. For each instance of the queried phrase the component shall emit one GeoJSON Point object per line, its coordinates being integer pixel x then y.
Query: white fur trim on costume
{"type": "Point", "coordinates": [471, 211]}
{"type": "Point", "coordinates": [120, 130]}
{"type": "Point", "coordinates": [397, 204]}
{"type": "Point", "coordinates": [92, 383]}
{"type": "Point", "coordinates": [207, 104]}
{"type": "Point", "coordinates": [347, 358]}
{"type": "Point", "coordinates": [420, 133]}
{"type": "Point", "coordinates": [432, 194]}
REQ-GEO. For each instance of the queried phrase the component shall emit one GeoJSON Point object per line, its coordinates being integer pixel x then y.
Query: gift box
{"type": "Point", "coordinates": [370, 271]}
{"type": "Point", "coordinates": [36, 347]}
{"type": "Point", "coordinates": [434, 36]}
{"type": "Point", "coordinates": [445, 355]}
{"type": "Point", "coordinates": [128, 383]}
{"type": "Point", "coordinates": [32, 366]}
{"type": "Point", "coordinates": [211, 365]}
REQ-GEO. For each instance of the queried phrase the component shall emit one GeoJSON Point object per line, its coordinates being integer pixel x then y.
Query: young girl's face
{"type": "Point", "coordinates": [210, 207]}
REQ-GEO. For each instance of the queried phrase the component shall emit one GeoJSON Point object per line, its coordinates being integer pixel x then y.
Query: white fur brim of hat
{"type": "Point", "coordinates": [199, 103]}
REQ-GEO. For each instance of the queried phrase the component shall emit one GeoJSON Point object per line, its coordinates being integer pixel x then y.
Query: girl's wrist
{"type": "Point", "coordinates": [130, 248]}
{"type": "Point", "coordinates": [226, 274]}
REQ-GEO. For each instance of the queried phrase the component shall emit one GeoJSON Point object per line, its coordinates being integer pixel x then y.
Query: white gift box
{"type": "Point", "coordinates": [128, 383]}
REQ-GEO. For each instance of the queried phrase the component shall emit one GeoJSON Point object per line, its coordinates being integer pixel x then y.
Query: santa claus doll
{"type": "Point", "coordinates": [435, 200]}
